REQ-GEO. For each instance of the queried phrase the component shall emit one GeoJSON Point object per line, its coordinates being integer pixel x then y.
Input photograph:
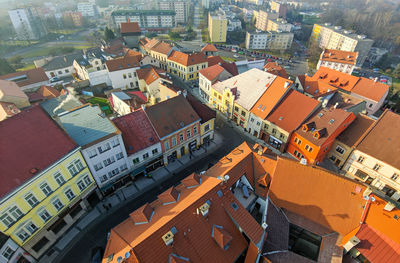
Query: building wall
{"type": "Point", "coordinates": [186, 72]}
{"type": "Point", "coordinates": [61, 72]}
{"type": "Point", "coordinates": [58, 190]}
{"type": "Point", "coordinates": [240, 115]}
{"type": "Point", "coordinates": [222, 102]}
{"type": "Point", "coordinates": [35, 86]}
{"type": "Point", "coordinates": [372, 106]}
{"type": "Point", "coordinates": [124, 79]}
{"type": "Point", "coordinates": [162, 58]}
{"type": "Point", "coordinates": [381, 178]}
{"type": "Point", "coordinates": [146, 20]}
{"type": "Point", "coordinates": [148, 60]}
{"type": "Point", "coordinates": [87, 9]}
{"type": "Point", "coordinates": [18, 101]}
{"type": "Point", "coordinates": [254, 125]}
{"type": "Point", "coordinates": [339, 153]}
{"type": "Point", "coordinates": [262, 19]}
{"type": "Point", "coordinates": [120, 106]}
{"type": "Point", "coordinates": [342, 67]}
{"type": "Point", "coordinates": [99, 77]}
{"type": "Point", "coordinates": [275, 25]}
{"type": "Point", "coordinates": [140, 158]}
{"type": "Point", "coordinates": [217, 28]}
{"type": "Point", "coordinates": [269, 40]}
{"type": "Point", "coordinates": [274, 135]}
{"type": "Point", "coordinates": [17, 254]}
{"type": "Point", "coordinates": [27, 24]}
{"type": "Point", "coordinates": [207, 131]}
{"type": "Point", "coordinates": [181, 9]}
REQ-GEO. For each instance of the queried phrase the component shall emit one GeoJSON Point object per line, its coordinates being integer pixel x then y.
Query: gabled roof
{"type": "Point", "coordinates": [152, 42]}
{"type": "Point", "coordinates": [356, 130]}
{"type": "Point", "coordinates": [317, 88]}
{"type": "Point", "coordinates": [209, 47]}
{"type": "Point", "coordinates": [48, 92]}
{"type": "Point", "coordinates": [370, 89]}
{"type": "Point", "coordinates": [130, 60]}
{"type": "Point", "coordinates": [10, 88]}
{"type": "Point", "coordinates": [326, 120]}
{"type": "Point", "coordinates": [149, 75]}
{"type": "Point", "coordinates": [339, 56]}
{"type": "Point", "coordinates": [201, 109]}
{"type": "Point", "coordinates": [250, 86]}
{"type": "Point", "coordinates": [381, 140]}
{"type": "Point", "coordinates": [187, 59]}
{"type": "Point", "coordinates": [330, 200]}
{"type": "Point", "coordinates": [60, 104]}
{"type": "Point", "coordinates": [230, 67]}
{"type": "Point", "coordinates": [292, 111]}
{"type": "Point", "coordinates": [37, 141]}
{"type": "Point", "coordinates": [163, 48]}
{"type": "Point", "coordinates": [276, 69]}
{"type": "Point", "coordinates": [60, 62]}
{"type": "Point", "coordinates": [212, 72]}
{"type": "Point", "coordinates": [171, 115]}
{"type": "Point", "coordinates": [137, 131]}
{"type": "Point", "coordinates": [87, 124]}
{"type": "Point", "coordinates": [130, 27]}
{"type": "Point", "coordinates": [271, 97]}
{"type": "Point", "coordinates": [214, 60]}
{"type": "Point", "coordinates": [27, 77]}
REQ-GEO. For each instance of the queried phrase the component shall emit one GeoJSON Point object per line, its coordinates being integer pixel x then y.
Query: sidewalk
{"type": "Point", "coordinates": [128, 193]}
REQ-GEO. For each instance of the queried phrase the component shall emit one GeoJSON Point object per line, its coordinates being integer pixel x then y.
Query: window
{"type": "Point", "coordinates": [119, 156]}
{"type": "Point", "coordinates": [16, 213]}
{"type": "Point", "coordinates": [67, 71]}
{"type": "Point", "coordinates": [282, 136]}
{"type": "Point", "coordinates": [146, 155]}
{"type": "Point", "coordinates": [7, 253]}
{"type": "Point", "coordinates": [40, 244]}
{"type": "Point", "coordinates": [79, 165]}
{"type": "Point", "coordinates": [57, 204]}
{"type": "Point", "coordinates": [103, 178]}
{"type": "Point", "coordinates": [98, 167]}
{"type": "Point", "coordinates": [252, 119]}
{"type": "Point", "coordinates": [87, 180]}
{"type": "Point", "coordinates": [207, 127]}
{"type": "Point", "coordinates": [195, 130]}
{"type": "Point", "coordinates": [306, 147]}
{"type": "Point", "coordinates": [69, 194]}
{"type": "Point", "coordinates": [273, 131]}
{"type": "Point", "coordinates": [129, 75]}
{"type": "Point", "coordinates": [81, 185]}
{"type": "Point", "coordinates": [188, 134]}
{"type": "Point", "coordinates": [124, 76]}
{"type": "Point", "coordinates": [394, 177]}
{"type": "Point", "coordinates": [360, 159]}
{"type": "Point", "coordinates": [236, 108]}
{"type": "Point", "coordinates": [59, 179]}
{"type": "Point", "coordinates": [243, 113]}
{"type": "Point", "coordinates": [109, 161]}
{"type": "Point", "coordinates": [113, 172]}
{"type": "Point", "coordinates": [123, 167]}
{"type": "Point", "coordinates": [370, 105]}
{"type": "Point", "coordinates": [166, 146]}
{"type": "Point", "coordinates": [72, 169]}
{"type": "Point", "coordinates": [92, 153]}
{"type": "Point", "coordinates": [339, 149]}
{"type": "Point", "coordinates": [135, 161]}
{"type": "Point", "coordinates": [31, 227]}
{"type": "Point", "coordinates": [173, 143]}
{"type": "Point", "coordinates": [310, 149]}
{"type": "Point", "coordinates": [377, 167]}
{"type": "Point", "coordinates": [7, 220]}
{"type": "Point", "coordinates": [104, 148]}
{"type": "Point", "coordinates": [23, 235]}
{"type": "Point", "coordinates": [44, 215]}
{"type": "Point", "coordinates": [31, 200]}
{"type": "Point", "coordinates": [115, 142]}
{"type": "Point", "coordinates": [131, 84]}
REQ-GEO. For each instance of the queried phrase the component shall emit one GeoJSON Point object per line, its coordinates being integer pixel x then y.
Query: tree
{"type": "Point", "coordinates": [396, 72]}
{"type": "Point", "coordinates": [5, 67]}
{"type": "Point", "coordinates": [174, 35]}
{"type": "Point", "coordinates": [108, 34]}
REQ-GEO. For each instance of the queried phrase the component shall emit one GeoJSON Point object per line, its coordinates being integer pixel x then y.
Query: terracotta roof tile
{"type": "Point", "coordinates": [339, 56]}
{"type": "Point", "coordinates": [169, 196]}
{"type": "Point", "coordinates": [10, 88]}
{"type": "Point", "coordinates": [308, 191]}
{"type": "Point", "coordinates": [293, 111]}
{"type": "Point", "coordinates": [128, 61]}
{"type": "Point", "coordinates": [276, 69]}
{"type": "Point", "coordinates": [221, 236]}
{"type": "Point", "coordinates": [171, 115]}
{"type": "Point", "coordinates": [152, 42]}
{"type": "Point", "coordinates": [48, 92]}
{"type": "Point", "coordinates": [381, 142]}
{"type": "Point", "coordinates": [214, 60]}
{"type": "Point", "coordinates": [163, 48]}
{"type": "Point", "coordinates": [142, 214]}
{"type": "Point", "coordinates": [212, 72]}
{"type": "Point", "coordinates": [130, 27]}
{"type": "Point", "coordinates": [28, 136]}
{"type": "Point", "coordinates": [335, 78]}
{"type": "Point", "coordinates": [201, 109]}
{"type": "Point", "coordinates": [149, 75]}
{"type": "Point", "coordinates": [187, 59]}
{"type": "Point", "coordinates": [317, 88]}
{"type": "Point", "coordinates": [209, 47]}
{"type": "Point", "coordinates": [271, 97]}
{"type": "Point", "coordinates": [137, 131]}
{"type": "Point", "coordinates": [27, 77]}
{"type": "Point", "coordinates": [230, 67]}
{"type": "Point", "coordinates": [370, 89]}
{"type": "Point", "coordinates": [192, 180]}
{"type": "Point", "coordinates": [356, 130]}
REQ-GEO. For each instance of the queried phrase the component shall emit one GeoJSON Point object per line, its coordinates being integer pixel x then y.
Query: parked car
{"type": "Point", "coordinates": [234, 50]}
{"type": "Point", "coordinates": [236, 56]}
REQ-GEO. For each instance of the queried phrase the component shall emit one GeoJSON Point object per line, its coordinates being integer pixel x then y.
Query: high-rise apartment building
{"type": "Point", "coordinates": [263, 17]}
{"type": "Point", "coordinates": [334, 37]}
{"type": "Point", "coordinates": [278, 7]}
{"type": "Point", "coordinates": [27, 23]}
{"type": "Point", "coordinates": [87, 9]}
{"type": "Point", "coordinates": [181, 8]}
{"type": "Point", "coordinates": [269, 40]}
{"type": "Point", "coordinates": [217, 26]}
{"type": "Point", "coordinates": [147, 19]}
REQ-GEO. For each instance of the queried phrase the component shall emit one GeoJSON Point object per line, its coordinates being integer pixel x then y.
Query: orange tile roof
{"type": "Point", "coordinates": [210, 48]}
{"type": "Point", "coordinates": [336, 78]}
{"type": "Point", "coordinates": [381, 140]}
{"type": "Point", "coordinates": [356, 130]}
{"type": "Point", "coordinates": [326, 120]}
{"type": "Point", "coordinates": [128, 61]}
{"type": "Point", "coordinates": [276, 69]}
{"type": "Point", "coordinates": [214, 60]}
{"type": "Point", "coordinates": [163, 48]}
{"type": "Point", "coordinates": [330, 200]}
{"type": "Point", "coordinates": [370, 89]}
{"type": "Point", "coordinates": [130, 27]}
{"type": "Point", "coordinates": [339, 56]}
{"type": "Point", "coordinates": [151, 43]}
{"type": "Point", "coordinates": [48, 92]}
{"type": "Point", "coordinates": [293, 111]}
{"type": "Point", "coordinates": [317, 88]}
{"type": "Point", "coordinates": [187, 59]}
{"type": "Point", "coordinates": [149, 75]}
{"type": "Point", "coordinates": [193, 237]}
{"type": "Point", "coordinates": [271, 97]}
{"type": "Point", "coordinates": [212, 72]}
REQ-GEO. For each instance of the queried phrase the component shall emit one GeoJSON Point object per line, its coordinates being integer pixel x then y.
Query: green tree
{"type": "Point", "coordinates": [108, 34]}
{"type": "Point", "coordinates": [5, 67]}
{"type": "Point", "coordinates": [174, 35]}
{"type": "Point", "coordinates": [396, 72]}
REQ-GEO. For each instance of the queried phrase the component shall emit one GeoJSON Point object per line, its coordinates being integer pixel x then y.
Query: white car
{"type": "Point", "coordinates": [236, 56]}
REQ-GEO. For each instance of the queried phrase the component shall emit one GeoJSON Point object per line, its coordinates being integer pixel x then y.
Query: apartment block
{"type": "Point", "coordinates": [217, 27]}
{"type": "Point", "coordinates": [263, 17]}
{"type": "Point", "coordinates": [279, 7]}
{"type": "Point", "coordinates": [279, 25]}
{"type": "Point", "coordinates": [181, 8]}
{"type": "Point", "coordinates": [343, 61]}
{"type": "Point", "coordinates": [87, 9]}
{"type": "Point", "coordinates": [334, 37]}
{"type": "Point", "coordinates": [27, 23]}
{"type": "Point", "coordinates": [269, 40]}
{"type": "Point", "coordinates": [155, 20]}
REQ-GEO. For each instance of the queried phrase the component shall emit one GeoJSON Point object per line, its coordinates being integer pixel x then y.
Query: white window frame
{"type": "Point", "coordinates": [68, 194]}
{"type": "Point", "coordinates": [59, 201]}
{"type": "Point", "coordinates": [43, 212]}
{"type": "Point", "coordinates": [46, 186]}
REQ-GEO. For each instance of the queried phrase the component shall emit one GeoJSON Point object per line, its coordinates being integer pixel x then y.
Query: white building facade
{"type": "Point", "coordinates": [87, 9]}
{"type": "Point", "coordinates": [10, 252]}
{"type": "Point", "coordinates": [124, 78]}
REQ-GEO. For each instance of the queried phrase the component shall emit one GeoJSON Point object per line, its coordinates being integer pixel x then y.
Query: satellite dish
{"type": "Point", "coordinates": [127, 255]}
{"type": "Point", "coordinates": [226, 177]}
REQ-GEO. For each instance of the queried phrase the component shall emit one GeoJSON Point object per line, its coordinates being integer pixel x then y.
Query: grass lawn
{"type": "Point", "coordinates": [45, 51]}
{"type": "Point", "coordinates": [103, 104]}
{"type": "Point", "coordinates": [27, 67]}
{"type": "Point", "coordinates": [229, 59]}
{"type": "Point", "coordinates": [65, 31]}
{"type": "Point", "coordinates": [396, 84]}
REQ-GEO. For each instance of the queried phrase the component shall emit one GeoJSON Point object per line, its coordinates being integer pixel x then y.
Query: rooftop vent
{"type": "Point", "coordinates": [205, 208]}
{"type": "Point", "coordinates": [33, 170]}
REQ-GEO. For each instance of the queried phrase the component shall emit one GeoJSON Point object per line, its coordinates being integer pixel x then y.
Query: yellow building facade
{"type": "Point", "coordinates": [206, 131]}
{"type": "Point", "coordinates": [39, 211]}
{"type": "Point", "coordinates": [184, 72]}
{"type": "Point", "coordinates": [217, 28]}
{"type": "Point", "coordinates": [222, 102]}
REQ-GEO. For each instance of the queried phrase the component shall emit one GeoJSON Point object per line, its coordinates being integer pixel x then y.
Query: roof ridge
{"type": "Point", "coordinates": [365, 134]}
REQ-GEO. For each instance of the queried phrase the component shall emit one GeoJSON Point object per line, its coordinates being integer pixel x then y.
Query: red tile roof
{"type": "Point", "coordinates": [171, 115]}
{"type": "Point", "coordinates": [187, 59]}
{"type": "Point", "coordinates": [293, 111]}
{"type": "Point", "coordinates": [214, 60]}
{"type": "Point", "coordinates": [201, 109]}
{"type": "Point", "coordinates": [149, 75]}
{"type": "Point", "coordinates": [130, 27]}
{"type": "Point", "coordinates": [230, 67]}
{"type": "Point", "coordinates": [163, 48]}
{"type": "Point", "coordinates": [130, 60]}
{"type": "Point", "coordinates": [376, 246]}
{"type": "Point", "coordinates": [35, 97]}
{"type": "Point", "coordinates": [210, 48]}
{"type": "Point", "coordinates": [212, 72]}
{"type": "Point", "coordinates": [137, 131]}
{"type": "Point", "coordinates": [339, 56]}
{"type": "Point", "coordinates": [317, 88]}
{"type": "Point", "coordinates": [27, 77]}
{"type": "Point", "coordinates": [276, 69]}
{"type": "Point", "coordinates": [381, 140]}
{"type": "Point", "coordinates": [37, 141]}
{"type": "Point", "coordinates": [138, 94]}
{"type": "Point", "coordinates": [373, 90]}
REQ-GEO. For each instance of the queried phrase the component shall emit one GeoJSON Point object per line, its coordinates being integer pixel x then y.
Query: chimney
{"type": "Point", "coordinates": [143, 107]}
{"type": "Point", "coordinates": [325, 103]}
{"type": "Point", "coordinates": [389, 206]}
{"type": "Point", "coordinates": [336, 105]}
